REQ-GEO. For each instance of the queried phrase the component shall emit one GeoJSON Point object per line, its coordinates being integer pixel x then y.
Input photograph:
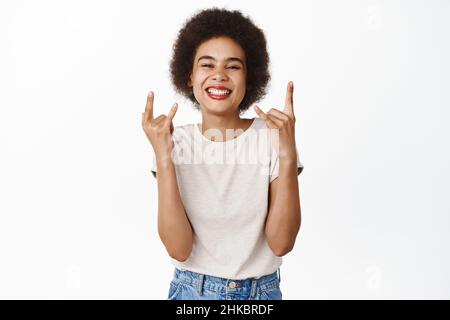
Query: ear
{"type": "Point", "coordinates": [190, 81]}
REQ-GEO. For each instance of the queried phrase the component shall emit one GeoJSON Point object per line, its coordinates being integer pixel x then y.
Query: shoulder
{"type": "Point", "coordinates": [183, 128]}
{"type": "Point", "coordinates": [259, 123]}
{"type": "Point", "coordinates": [259, 126]}
{"type": "Point", "coordinates": [184, 134]}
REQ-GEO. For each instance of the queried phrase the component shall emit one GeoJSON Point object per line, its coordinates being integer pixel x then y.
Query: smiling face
{"type": "Point", "coordinates": [219, 75]}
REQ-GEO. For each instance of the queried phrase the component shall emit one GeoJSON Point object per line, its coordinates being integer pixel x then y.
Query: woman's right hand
{"type": "Point", "coordinates": [159, 130]}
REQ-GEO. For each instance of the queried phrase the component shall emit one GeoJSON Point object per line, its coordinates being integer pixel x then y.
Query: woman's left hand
{"type": "Point", "coordinates": [284, 122]}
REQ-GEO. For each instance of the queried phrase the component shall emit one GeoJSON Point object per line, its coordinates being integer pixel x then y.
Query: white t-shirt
{"type": "Point", "coordinates": [224, 187]}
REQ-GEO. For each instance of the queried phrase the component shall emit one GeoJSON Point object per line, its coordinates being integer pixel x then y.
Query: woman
{"type": "Point", "coordinates": [225, 223]}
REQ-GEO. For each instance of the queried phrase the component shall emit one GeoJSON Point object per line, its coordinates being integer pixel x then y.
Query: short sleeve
{"type": "Point", "coordinates": [275, 166]}
{"type": "Point", "coordinates": [154, 165]}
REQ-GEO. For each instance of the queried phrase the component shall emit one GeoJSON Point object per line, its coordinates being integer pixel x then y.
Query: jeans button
{"type": "Point", "coordinates": [232, 284]}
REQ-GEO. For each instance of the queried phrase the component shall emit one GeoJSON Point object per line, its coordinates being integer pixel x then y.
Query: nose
{"type": "Point", "coordinates": [220, 76]}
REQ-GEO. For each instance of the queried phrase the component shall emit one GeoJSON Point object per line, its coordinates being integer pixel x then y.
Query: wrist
{"type": "Point", "coordinates": [164, 159]}
{"type": "Point", "coordinates": [288, 158]}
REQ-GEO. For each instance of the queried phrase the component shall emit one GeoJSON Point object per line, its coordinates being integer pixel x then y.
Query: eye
{"type": "Point", "coordinates": [235, 67]}
{"type": "Point", "coordinates": [207, 65]}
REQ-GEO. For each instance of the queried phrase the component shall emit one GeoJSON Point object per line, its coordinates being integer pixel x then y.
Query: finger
{"type": "Point", "coordinates": [158, 119]}
{"type": "Point", "coordinates": [278, 114]}
{"type": "Point", "coordinates": [264, 116]}
{"type": "Point", "coordinates": [172, 111]}
{"type": "Point", "coordinates": [259, 112]}
{"type": "Point", "coordinates": [149, 106]}
{"type": "Point", "coordinates": [289, 102]}
{"type": "Point", "coordinates": [271, 124]}
{"type": "Point", "coordinates": [275, 120]}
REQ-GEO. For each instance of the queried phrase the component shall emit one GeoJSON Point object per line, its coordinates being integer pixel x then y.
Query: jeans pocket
{"type": "Point", "coordinates": [174, 289]}
{"type": "Point", "coordinates": [272, 294]}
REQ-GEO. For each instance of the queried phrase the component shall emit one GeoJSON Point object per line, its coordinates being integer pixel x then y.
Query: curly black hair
{"type": "Point", "coordinates": [215, 22]}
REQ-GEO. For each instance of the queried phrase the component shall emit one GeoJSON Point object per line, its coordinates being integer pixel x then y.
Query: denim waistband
{"type": "Point", "coordinates": [224, 285]}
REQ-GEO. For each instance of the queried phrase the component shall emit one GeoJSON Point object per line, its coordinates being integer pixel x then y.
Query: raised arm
{"type": "Point", "coordinates": [284, 215]}
{"type": "Point", "coordinates": [174, 227]}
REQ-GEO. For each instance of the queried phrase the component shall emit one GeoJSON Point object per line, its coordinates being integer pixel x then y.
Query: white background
{"type": "Point", "coordinates": [78, 202]}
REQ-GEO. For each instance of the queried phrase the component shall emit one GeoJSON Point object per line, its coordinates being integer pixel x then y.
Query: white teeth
{"type": "Point", "coordinates": [219, 92]}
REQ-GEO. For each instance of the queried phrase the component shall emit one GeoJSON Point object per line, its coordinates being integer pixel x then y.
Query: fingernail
{"type": "Point", "coordinates": [291, 84]}
{"type": "Point", "coordinates": [150, 94]}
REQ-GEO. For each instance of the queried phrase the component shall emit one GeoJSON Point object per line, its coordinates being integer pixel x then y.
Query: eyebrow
{"type": "Point", "coordinates": [227, 59]}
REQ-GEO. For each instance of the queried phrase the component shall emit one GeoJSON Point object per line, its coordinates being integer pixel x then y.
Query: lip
{"type": "Point", "coordinates": [216, 96]}
{"type": "Point", "coordinates": [218, 88]}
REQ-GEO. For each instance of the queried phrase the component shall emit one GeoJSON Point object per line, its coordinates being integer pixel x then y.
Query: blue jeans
{"type": "Point", "coordinates": [188, 285]}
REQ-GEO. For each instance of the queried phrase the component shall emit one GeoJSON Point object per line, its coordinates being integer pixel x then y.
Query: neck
{"type": "Point", "coordinates": [222, 123]}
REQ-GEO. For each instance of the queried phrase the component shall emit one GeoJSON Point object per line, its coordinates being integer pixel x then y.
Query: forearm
{"type": "Point", "coordinates": [284, 216]}
{"type": "Point", "coordinates": [174, 227]}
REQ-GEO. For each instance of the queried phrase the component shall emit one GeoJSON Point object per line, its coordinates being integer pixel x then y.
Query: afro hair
{"type": "Point", "coordinates": [215, 22]}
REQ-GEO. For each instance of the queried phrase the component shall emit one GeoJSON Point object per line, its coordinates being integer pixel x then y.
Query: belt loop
{"type": "Point", "coordinates": [201, 279]}
{"type": "Point", "coordinates": [279, 276]}
{"type": "Point", "coordinates": [253, 291]}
